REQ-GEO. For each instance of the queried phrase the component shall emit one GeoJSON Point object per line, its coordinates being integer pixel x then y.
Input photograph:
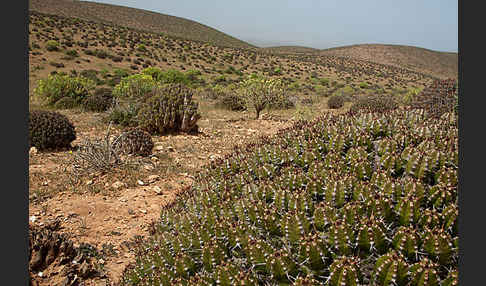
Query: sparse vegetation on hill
{"type": "Point", "coordinates": [439, 64]}
{"type": "Point", "coordinates": [137, 19]}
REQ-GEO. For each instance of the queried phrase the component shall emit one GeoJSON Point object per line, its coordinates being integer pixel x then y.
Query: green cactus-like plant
{"type": "Point", "coordinates": [438, 244]}
{"type": "Point", "coordinates": [306, 281]}
{"type": "Point", "coordinates": [430, 218]}
{"type": "Point", "coordinates": [451, 279]}
{"type": "Point", "coordinates": [390, 269]}
{"type": "Point", "coordinates": [342, 237]}
{"type": "Point", "coordinates": [279, 264]}
{"type": "Point", "coordinates": [424, 273]}
{"type": "Point", "coordinates": [345, 271]}
{"type": "Point", "coordinates": [169, 109]}
{"type": "Point", "coordinates": [324, 214]}
{"type": "Point", "coordinates": [314, 253]}
{"type": "Point", "coordinates": [372, 235]}
{"type": "Point", "coordinates": [408, 210]}
{"type": "Point", "coordinates": [407, 242]}
{"type": "Point", "coordinates": [449, 217]}
{"type": "Point", "coordinates": [440, 195]}
{"type": "Point", "coordinates": [288, 207]}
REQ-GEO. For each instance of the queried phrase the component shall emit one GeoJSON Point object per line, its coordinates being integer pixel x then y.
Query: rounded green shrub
{"type": "Point", "coordinates": [135, 141]}
{"type": "Point", "coordinates": [283, 102]}
{"type": "Point", "coordinates": [50, 130]}
{"type": "Point", "coordinates": [335, 102]}
{"type": "Point", "coordinates": [57, 86]}
{"type": "Point", "coordinates": [52, 46]}
{"type": "Point", "coordinates": [100, 101]}
{"type": "Point", "coordinates": [65, 103]}
{"type": "Point", "coordinates": [154, 72]}
{"type": "Point", "coordinates": [123, 113]}
{"type": "Point", "coordinates": [375, 103]}
{"type": "Point", "coordinates": [72, 53]}
{"type": "Point", "coordinates": [135, 86]}
{"type": "Point", "coordinates": [230, 101]}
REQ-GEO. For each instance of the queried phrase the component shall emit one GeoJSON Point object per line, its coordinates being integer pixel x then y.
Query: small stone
{"type": "Point", "coordinates": [157, 190]}
{"type": "Point", "coordinates": [45, 183]}
{"type": "Point", "coordinates": [159, 148]}
{"type": "Point", "coordinates": [33, 218]}
{"type": "Point", "coordinates": [143, 211]}
{"type": "Point", "coordinates": [170, 149]}
{"type": "Point", "coordinates": [32, 151]}
{"type": "Point", "coordinates": [89, 182]}
{"type": "Point", "coordinates": [148, 167]}
{"type": "Point", "coordinates": [40, 274]}
{"type": "Point", "coordinates": [140, 182]}
{"type": "Point", "coordinates": [118, 185]}
{"type": "Point", "coordinates": [153, 178]}
{"type": "Point", "coordinates": [102, 283]}
{"type": "Point", "coordinates": [64, 282]}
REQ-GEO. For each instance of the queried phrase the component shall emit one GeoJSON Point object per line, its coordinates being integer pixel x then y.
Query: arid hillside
{"type": "Point", "coordinates": [434, 63]}
{"type": "Point", "coordinates": [439, 64]}
{"type": "Point", "coordinates": [137, 19]}
{"type": "Point", "coordinates": [290, 50]}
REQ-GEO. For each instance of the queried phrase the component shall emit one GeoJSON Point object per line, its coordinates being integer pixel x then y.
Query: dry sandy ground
{"type": "Point", "coordinates": [108, 211]}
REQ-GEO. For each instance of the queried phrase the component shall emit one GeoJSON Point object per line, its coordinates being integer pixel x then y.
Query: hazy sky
{"type": "Point", "coordinates": [431, 24]}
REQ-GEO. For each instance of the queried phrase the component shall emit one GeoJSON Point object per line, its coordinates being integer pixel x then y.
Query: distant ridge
{"type": "Point", "coordinates": [435, 63]}
{"type": "Point", "coordinates": [441, 64]}
{"type": "Point", "coordinates": [290, 49]}
{"type": "Point", "coordinates": [137, 19]}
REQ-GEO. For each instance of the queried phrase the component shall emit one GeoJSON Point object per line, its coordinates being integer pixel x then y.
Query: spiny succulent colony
{"type": "Point", "coordinates": [363, 199]}
{"type": "Point", "coordinates": [439, 97]}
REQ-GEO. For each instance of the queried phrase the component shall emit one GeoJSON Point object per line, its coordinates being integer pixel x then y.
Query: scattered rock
{"type": "Point", "coordinates": [159, 148]}
{"type": "Point", "coordinates": [148, 167]}
{"type": "Point", "coordinates": [118, 185]}
{"type": "Point", "coordinates": [140, 182]}
{"type": "Point", "coordinates": [143, 211]}
{"type": "Point", "coordinates": [32, 151]}
{"type": "Point", "coordinates": [89, 182]}
{"type": "Point", "coordinates": [152, 178]}
{"type": "Point", "coordinates": [63, 282]}
{"type": "Point", "coordinates": [157, 190]}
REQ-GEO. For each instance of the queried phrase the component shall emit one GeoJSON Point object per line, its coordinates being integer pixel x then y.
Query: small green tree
{"type": "Point", "coordinates": [259, 92]}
